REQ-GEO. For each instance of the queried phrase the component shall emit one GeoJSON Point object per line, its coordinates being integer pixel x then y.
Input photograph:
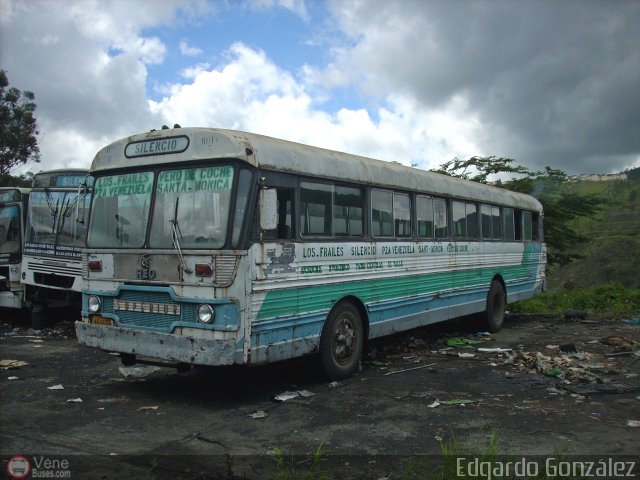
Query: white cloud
{"type": "Point", "coordinates": [297, 7]}
{"type": "Point", "coordinates": [188, 51]}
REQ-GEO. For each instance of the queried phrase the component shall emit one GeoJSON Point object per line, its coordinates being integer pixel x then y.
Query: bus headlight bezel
{"type": "Point", "coordinates": [94, 304]}
{"type": "Point", "coordinates": [206, 314]}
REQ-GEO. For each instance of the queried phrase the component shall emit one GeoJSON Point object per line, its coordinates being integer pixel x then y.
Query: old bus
{"type": "Point", "coordinates": [54, 235]}
{"type": "Point", "coordinates": [13, 213]}
{"type": "Point", "coordinates": [217, 247]}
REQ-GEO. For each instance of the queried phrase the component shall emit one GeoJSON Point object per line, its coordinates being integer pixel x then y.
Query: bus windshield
{"type": "Point", "coordinates": [52, 218]}
{"type": "Point", "coordinates": [191, 208]}
{"type": "Point", "coordinates": [9, 229]}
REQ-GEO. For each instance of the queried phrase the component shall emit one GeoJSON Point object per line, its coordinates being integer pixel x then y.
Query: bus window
{"type": "Point", "coordinates": [509, 225]}
{"type": "Point", "coordinates": [496, 222]}
{"type": "Point", "coordinates": [285, 209]}
{"type": "Point", "coordinates": [527, 226]}
{"type": "Point", "coordinates": [440, 218]}
{"type": "Point", "coordinates": [382, 213]}
{"type": "Point", "coordinates": [537, 227]}
{"type": "Point", "coordinates": [490, 222]}
{"type": "Point", "coordinates": [465, 219]}
{"type": "Point", "coordinates": [402, 214]}
{"type": "Point", "coordinates": [517, 224]}
{"type": "Point", "coordinates": [244, 186]}
{"type": "Point", "coordinates": [347, 212]}
{"type": "Point", "coordinates": [316, 200]}
{"type": "Point", "coordinates": [424, 207]}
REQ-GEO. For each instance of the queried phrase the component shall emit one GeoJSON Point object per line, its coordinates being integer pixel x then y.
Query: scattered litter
{"type": "Point", "coordinates": [434, 404]}
{"type": "Point", "coordinates": [378, 363]}
{"type": "Point", "coordinates": [619, 342]}
{"type": "Point", "coordinates": [612, 387]}
{"type": "Point", "coordinates": [334, 384]}
{"type": "Point", "coordinates": [74, 400]}
{"type": "Point", "coordinates": [12, 378]}
{"type": "Point", "coordinates": [553, 372]}
{"type": "Point", "coordinates": [633, 423]}
{"type": "Point", "coordinates": [154, 407]}
{"type": "Point", "coordinates": [409, 369]}
{"type": "Point", "coordinates": [632, 321]}
{"type": "Point", "coordinates": [466, 355]}
{"type": "Point", "coordinates": [461, 402]}
{"type": "Point", "coordinates": [36, 346]}
{"type": "Point", "coordinates": [56, 387]}
{"type": "Point", "coordinates": [9, 364]}
{"type": "Point", "coordinates": [495, 350]}
{"type": "Point", "coordinates": [462, 342]}
{"type": "Point", "coordinates": [139, 371]}
{"type": "Point", "coordinates": [284, 396]}
{"type": "Point", "coordinates": [259, 414]}
{"type": "Point", "coordinates": [112, 400]}
{"type": "Point", "coordinates": [37, 340]}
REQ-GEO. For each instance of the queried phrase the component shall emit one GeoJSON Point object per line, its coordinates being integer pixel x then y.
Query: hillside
{"type": "Point", "coordinates": [612, 251]}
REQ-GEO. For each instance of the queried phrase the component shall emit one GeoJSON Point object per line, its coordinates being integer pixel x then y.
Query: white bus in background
{"type": "Point", "coordinates": [13, 213]}
{"type": "Point", "coordinates": [218, 247]}
{"type": "Point", "coordinates": [54, 236]}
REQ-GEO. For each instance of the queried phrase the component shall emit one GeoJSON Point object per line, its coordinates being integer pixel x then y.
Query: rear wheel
{"type": "Point", "coordinates": [341, 342]}
{"type": "Point", "coordinates": [493, 317]}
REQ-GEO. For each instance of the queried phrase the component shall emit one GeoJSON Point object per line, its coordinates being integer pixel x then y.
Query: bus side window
{"type": "Point", "coordinates": [509, 225]}
{"type": "Point", "coordinates": [285, 213]}
{"type": "Point", "coordinates": [527, 226]}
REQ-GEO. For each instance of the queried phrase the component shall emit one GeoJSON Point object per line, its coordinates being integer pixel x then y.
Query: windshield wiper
{"type": "Point", "coordinates": [175, 231]}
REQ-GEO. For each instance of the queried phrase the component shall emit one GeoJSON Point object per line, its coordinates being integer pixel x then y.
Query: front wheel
{"type": "Point", "coordinates": [493, 317]}
{"type": "Point", "coordinates": [341, 342]}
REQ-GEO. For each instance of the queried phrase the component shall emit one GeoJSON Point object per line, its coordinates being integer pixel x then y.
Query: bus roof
{"type": "Point", "coordinates": [193, 144]}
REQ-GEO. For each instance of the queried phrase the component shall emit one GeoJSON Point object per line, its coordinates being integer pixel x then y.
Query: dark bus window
{"type": "Point", "coordinates": [315, 208]}
{"type": "Point", "coordinates": [517, 223]}
{"type": "Point", "coordinates": [527, 226]}
{"type": "Point", "coordinates": [486, 222]}
{"type": "Point", "coordinates": [424, 208]}
{"type": "Point", "coordinates": [509, 224]}
{"type": "Point", "coordinates": [440, 218]}
{"type": "Point", "coordinates": [496, 222]}
{"type": "Point", "coordinates": [402, 214]}
{"type": "Point", "coordinates": [382, 213]}
{"type": "Point", "coordinates": [347, 212]}
{"type": "Point", "coordinates": [465, 219]}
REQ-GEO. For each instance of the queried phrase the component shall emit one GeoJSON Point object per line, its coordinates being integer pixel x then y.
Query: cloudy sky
{"type": "Point", "coordinates": [420, 82]}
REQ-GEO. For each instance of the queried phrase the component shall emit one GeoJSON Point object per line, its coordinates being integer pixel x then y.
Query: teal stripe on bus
{"type": "Point", "coordinates": [299, 300]}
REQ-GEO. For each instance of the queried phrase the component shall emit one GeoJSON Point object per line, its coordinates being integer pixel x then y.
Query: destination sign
{"type": "Point", "coordinates": [158, 146]}
{"type": "Point", "coordinates": [195, 179]}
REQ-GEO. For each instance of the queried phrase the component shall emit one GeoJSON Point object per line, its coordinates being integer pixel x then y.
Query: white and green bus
{"type": "Point", "coordinates": [218, 247]}
{"type": "Point", "coordinates": [54, 236]}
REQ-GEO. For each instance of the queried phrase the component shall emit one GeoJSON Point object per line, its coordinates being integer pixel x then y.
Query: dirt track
{"type": "Point", "coordinates": [414, 392]}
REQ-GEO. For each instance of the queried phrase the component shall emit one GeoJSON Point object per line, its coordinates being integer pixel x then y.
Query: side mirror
{"type": "Point", "coordinates": [268, 208]}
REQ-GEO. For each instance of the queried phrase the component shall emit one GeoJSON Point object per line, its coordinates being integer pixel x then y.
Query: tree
{"type": "Point", "coordinates": [561, 206]}
{"type": "Point", "coordinates": [18, 130]}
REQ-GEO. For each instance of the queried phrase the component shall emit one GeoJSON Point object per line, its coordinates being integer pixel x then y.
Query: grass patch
{"type": "Point", "coordinates": [611, 299]}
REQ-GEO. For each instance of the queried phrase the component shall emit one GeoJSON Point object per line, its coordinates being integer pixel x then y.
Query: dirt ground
{"type": "Point", "coordinates": [555, 392]}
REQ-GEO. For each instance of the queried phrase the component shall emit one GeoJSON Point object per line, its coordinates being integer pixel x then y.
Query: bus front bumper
{"type": "Point", "coordinates": [162, 346]}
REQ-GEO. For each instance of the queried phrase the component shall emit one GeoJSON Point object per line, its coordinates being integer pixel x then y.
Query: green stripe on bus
{"type": "Point", "coordinates": [297, 300]}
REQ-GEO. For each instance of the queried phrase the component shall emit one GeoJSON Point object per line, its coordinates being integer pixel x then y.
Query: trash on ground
{"type": "Point", "coordinates": [409, 369]}
{"type": "Point", "coordinates": [259, 414]}
{"type": "Point", "coordinates": [153, 407]}
{"type": "Point", "coordinates": [36, 340]}
{"type": "Point", "coordinates": [462, 342]}
{"type": "Point", "coordinates": [284, 396]}
{"type": "Point", "coordinates": [434, 404]}
{"type": "Point", "coordinates": [466, 355]}
{"type": "Point", "coordinates": [141, 371]}
{"type": "Point", "coordinates": [9, 364]}
{"type": "Point", "coordinates": [633, 423]}
{"type": "Point", "coordinates": [378, 363]}
{"type": "Point", "coordinates": [461, 402]}
{"type": "Point", "coordinates": [495, 350]}
{"type": "Point", "coordinates": [632, 321]}
{"type": "Point", "coordinates": [12, 378]}
{"type": "Point", "coordinates": [334, 384]}
{"type": "Point", "coordinates": [56, 387]}
{"type": "Point", "coordinates": [74, 400]}
{"type": "Point", "coordinates": [619, 342]}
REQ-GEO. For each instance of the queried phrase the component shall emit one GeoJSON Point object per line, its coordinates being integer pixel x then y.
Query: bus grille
{"type": "Point", "coordinates": [155, 321]}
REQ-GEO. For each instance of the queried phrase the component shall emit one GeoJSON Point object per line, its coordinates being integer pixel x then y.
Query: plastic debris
{"type": "Point", "coordinates": [284, 396]}
{"type": "Point", "coordinates": [462, 342]}
{"type": "Point", "coordinates": [141, 371]}
{"type": "Point", "coordinates": [378, 363]}
{"type": "Point", "coordinates": [434, 404]}
{"type": "Point", "coordinates": [553, 372]}
{"type": "Point", "coordinates": [153, 407]}
{"type": "Point", "coordinates": [12, 378]}
{"type": "Point", "coordinates": [259, 414]}
{"type": "Point", "coordinates": [334, 384]}
{"type": "Point", "coordinates": [9, 364]}
{"type": "Point", "coordinates": [461, 402]}
{"type": "Point", "coordinates": [633, 423]}
{"type": "Point", "coordinates": [466, 355]}
{"type": "Point", "coordinates": [56, 387]}
{"type": "Point", "coordinates": [495, 350]}
{"type": "Point", "coordinates": [74, 400]}
{"type": "Point", "coordinates": [632, 321]}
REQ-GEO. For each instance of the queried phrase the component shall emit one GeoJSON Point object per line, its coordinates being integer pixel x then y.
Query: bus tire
{"type": "Point", "coordinates": [341, 342]}
{"type": "Point", "coordinates": [493, 317]}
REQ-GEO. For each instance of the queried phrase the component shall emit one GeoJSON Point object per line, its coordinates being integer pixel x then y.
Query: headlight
{"type": "Point", "coordinates": [94, 304]}
{"type": "Point", "coordinates": [206, 313]}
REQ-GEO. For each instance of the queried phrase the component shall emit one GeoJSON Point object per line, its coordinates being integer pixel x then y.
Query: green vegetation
{"type": "Point", "coordinates": [611, 299]}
